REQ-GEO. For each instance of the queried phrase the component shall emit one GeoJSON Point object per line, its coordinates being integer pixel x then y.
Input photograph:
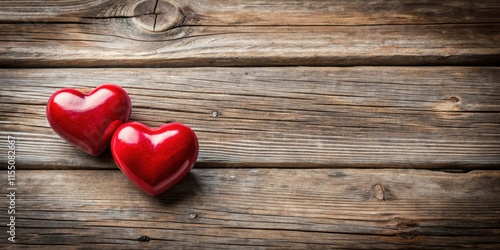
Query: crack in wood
{"type": "Point", "coordinates": [156, 15]}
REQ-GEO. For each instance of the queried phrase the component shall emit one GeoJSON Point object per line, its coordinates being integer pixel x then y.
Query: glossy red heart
{"type": "Point", "coordinates": [88, 121]}
{"type": "Point", "coordinates": [155, 159]}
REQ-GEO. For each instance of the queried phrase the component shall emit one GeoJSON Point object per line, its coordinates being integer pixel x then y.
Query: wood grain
{"type": "Point", "coordinates": [257, 12]}
{"type": "Point", "coordinates": [260, 208]}
{"type": "Point", "coordinates": [291, 157]}
{"type": "Point", "coordinates": [422, 117]}
{"type": "Point", "coordinates": [248, 33]}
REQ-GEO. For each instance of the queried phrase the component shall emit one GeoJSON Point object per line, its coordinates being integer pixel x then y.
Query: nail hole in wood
{"type": "Point", "coordinates": [144, 239]}
{"type": "Point", "coordinates": [215, 114]}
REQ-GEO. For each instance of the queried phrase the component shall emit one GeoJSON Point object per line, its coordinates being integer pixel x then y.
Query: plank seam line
{"type": "Point", "coordinates": [314, 231]}
{"type": "Point", "coordinates": [453, 171]}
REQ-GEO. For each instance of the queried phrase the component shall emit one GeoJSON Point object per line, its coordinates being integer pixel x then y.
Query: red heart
{"type": "Point", "coordinates": [89, 120]}
{"type": "Point", "coordinates": [155, 159]}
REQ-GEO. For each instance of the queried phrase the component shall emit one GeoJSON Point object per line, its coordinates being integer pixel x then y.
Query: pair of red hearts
{"type": "Point", "coordinates": [153, 159]}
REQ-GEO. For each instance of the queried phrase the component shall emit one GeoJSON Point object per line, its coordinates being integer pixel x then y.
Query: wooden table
{"type": "Point", "coordinates": [322, 124]}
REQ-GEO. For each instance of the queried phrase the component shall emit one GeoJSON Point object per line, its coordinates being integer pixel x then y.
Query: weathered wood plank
{"type": "Point", "coordinates": [261, 208]}
{"type": "Point", "coordinates": [257, 12]}
{"type": "Point", "coordinates": [248, 33]}
{"type": "Point", "coordinates": [423, 117]}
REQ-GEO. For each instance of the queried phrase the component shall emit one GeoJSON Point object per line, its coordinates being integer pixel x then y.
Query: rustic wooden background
{"type": "Point", "coordinates": [322, 124]}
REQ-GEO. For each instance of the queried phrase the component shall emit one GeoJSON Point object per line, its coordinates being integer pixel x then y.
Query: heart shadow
{"type": "Point", "coordinates": [183, 192]}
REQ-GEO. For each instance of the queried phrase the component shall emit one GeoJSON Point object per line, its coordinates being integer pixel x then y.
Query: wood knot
{"type": "Point", "coordinates": [454, 99]}
{"type": "Point", "coordinates": [406, 229]}
{"type": "Point", "coordinates": [405, 224]}
{"type": "Point", "coordinates": [378, 192]}
{"type": "Point", "coordinates": [449, 104]}
{"type": "Point", "coordinates": [157, 15]}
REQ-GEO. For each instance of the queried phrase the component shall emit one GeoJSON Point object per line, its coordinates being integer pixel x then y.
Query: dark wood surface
{"type": "Point", "coordinates": [400, 150]}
